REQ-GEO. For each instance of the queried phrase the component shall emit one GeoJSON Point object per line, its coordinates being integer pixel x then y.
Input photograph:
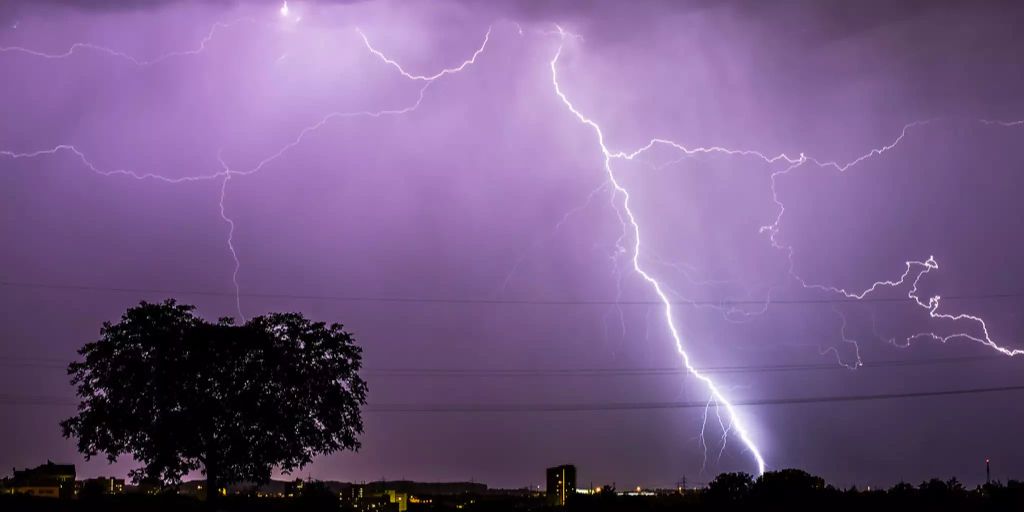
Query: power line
{"type": "Point", "coordinates": [6, 399]}
{"type": "Point", "coordinates": [598, 372]}
{"type": "Point", "coordinates": [397, 408]}
{"type": "Point", "coordinates": [54, 363]}
{"type": "Point", "coordinates": [490, 301]}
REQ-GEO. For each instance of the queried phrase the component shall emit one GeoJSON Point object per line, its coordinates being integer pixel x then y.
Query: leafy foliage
{"type": "Point", "coordinates": [730, 486]}
{"type": "Point", "coordinates": [787, 485]}
{"type": "Point", "coordinates": [181, 394]}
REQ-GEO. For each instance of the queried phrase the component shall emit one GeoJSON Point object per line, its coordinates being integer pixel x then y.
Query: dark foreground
{"type": "Point", "coordinates": [785, 490]}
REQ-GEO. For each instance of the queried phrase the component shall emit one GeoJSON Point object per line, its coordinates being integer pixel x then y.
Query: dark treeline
{"type": "Point", "coordinates": [793, 489]}
{"type": "Point", "coordinates": [789, 489]}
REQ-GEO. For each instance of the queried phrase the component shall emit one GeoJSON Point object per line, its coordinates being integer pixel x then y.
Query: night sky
{"type": "Point", "coordinates": [463, 225]}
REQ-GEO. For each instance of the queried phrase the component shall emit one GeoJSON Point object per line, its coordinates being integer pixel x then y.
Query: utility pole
{"type": "Point", "coordinates": [681, 484]}
{"type": "Point", "coordinates": [988, 473]}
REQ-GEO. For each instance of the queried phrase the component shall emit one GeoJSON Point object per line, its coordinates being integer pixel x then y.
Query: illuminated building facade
{"type": "Point", "coordinates": [561, 484]}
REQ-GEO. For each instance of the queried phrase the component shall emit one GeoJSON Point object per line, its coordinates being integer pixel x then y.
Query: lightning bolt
{"type": "Point", "coordinates": [726, 429]}
{"type": "Point", "coordinates": [225, 172]}
{"type": "Point", "coordinates": [919, 269]}
{"type": "Point", "coordinates": [703, 440]}
{"type": "Point", "coordinates": [845, 339]}
{"type": "Point", "coordinates": [791, 163]}
{"type": "Point", "coordinates": [70, 148]}
{"type": "Point", "coordinates": [1002, 123]}
{"type": "Point", "coordinates": [656, 287]}
{"type": "Point", "coordinates": [231, 234]}
{"type": "Point", "coordinates": [629, 244]}
{"type": "Point", "coordinates": [75, 48]}
{"type": "Point", "coordinates": [922, 267]}
{"type": "Point", "coordinates": [426, 78]}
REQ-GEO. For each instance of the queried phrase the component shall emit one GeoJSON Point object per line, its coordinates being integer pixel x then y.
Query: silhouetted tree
{"type": "Point", "coordinates": [730, 487]}
{"type": "Point", "coordinates": [901, 494]}
{"type": "Point", "coordinates": [938, 487]}
{"type": "Point", "coordinates": [787, 485]}
{"type": "Point", "coordinates": [955, 486]}
{"type": "Point", "coordinates": [1006, 497]}
{"type": "Point", "coordinates": [902, 488]}
{"type": "Point", "coordinates": [607, 495]}
{"type": "Point", "coordinates": [316, 489]}
{"type": "Point", "coordinates": [181, 394]}
{"type": "Point", "coordinates": [315, 495]}
{"type": "Point", "coordinates": [946, 493]}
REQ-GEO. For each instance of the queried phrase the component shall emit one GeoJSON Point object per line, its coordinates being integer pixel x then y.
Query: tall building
{"type": "Point", "coordinates": [561, 484]}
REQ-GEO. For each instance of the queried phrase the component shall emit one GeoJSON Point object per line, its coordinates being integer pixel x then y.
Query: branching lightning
{"type": "Point", "coordinates": [629, 245]}
{"type": "Point", "coordinates": [716, 394]}
{"type": "Point", "coordinates": [932, 304]}
{"type": "Point", "coordinates": [858, 362]}
{"type": "Point", "coordinates": [923, 267]}
{"type": "Point", "coordinates": [225, 171]}
{"type": "Point", "coordinates": [231, 234]}
{"type": "Point", "coordinates": [427, 78]}
{"type": "Point", "coordinates": [919, 269]}
{"type": "Point", "coordinates": [70, 148]}
{"type": "Point", "coordinates": [75, 48]}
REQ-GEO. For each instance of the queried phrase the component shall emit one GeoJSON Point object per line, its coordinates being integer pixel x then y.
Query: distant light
{"type": "Point", "coordinates": [284, 8]}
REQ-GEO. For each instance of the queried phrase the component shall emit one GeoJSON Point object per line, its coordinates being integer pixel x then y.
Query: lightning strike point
{"type": "Point", "coordinates": [632, 225]}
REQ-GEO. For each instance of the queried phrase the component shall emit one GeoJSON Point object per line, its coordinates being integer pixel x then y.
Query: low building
{"type": "Point", "coordinates": [100, 486]}
{"type": "Point", "coordinates": [423, 488]}
{"type": "Point", "coordinates": [400, 500]}
{"type": "Point", "coordinates": [49, 480]}
{"type": "Point", "coordinates": [371, 498]}
{"type": "Point", "coordinates": [147, 486]}
{"type": "Point", "coordinates": [198, 489]}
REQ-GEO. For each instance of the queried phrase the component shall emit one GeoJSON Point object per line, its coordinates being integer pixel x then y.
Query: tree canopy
{"type": "Point", "coordinates": [730, 486]}
{"type": "Point", "coordinates": [181, 394]}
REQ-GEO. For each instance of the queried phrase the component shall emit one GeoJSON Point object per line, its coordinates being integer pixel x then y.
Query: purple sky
{"type": "Point", "coordinates": [491, 188]}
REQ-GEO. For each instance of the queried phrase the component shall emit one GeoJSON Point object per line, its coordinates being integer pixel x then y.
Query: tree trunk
{"type": "Point", "coordinates": [212, 488]}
